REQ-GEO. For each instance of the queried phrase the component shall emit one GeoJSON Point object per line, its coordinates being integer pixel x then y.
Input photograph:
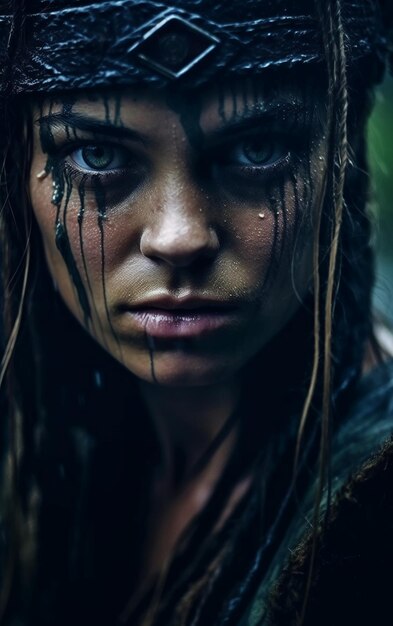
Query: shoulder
{"type": "Point", "coordinates": [350, 583]}
{"type": "Point", "coordinates": [354, 551]}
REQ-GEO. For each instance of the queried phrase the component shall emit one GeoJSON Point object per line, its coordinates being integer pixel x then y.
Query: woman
{"type": "Point", "coordinates": [187, 279]}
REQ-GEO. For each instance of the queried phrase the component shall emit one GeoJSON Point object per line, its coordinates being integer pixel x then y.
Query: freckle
{"type": "Point", "coordinates": [43, 174]}
{"type": "Point", "coordinates": [261, 215]}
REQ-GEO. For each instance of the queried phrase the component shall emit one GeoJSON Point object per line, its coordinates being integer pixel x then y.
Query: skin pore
{"type": "Point", "coordinates": [178, 230]}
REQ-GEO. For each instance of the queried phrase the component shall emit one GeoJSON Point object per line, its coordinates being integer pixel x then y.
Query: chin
{"type": "Point", "coordinates": [180, 370]}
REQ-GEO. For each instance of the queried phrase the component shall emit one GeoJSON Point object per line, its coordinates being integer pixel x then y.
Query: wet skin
{"type": "Point", "coordinates": [178, 229]}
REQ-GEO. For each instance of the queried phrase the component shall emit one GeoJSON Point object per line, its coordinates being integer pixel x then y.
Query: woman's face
{"type": "Point", "coordinates": [178, 228]}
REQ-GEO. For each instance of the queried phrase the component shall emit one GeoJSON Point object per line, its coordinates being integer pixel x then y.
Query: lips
{"type": "Point", "coordinates": [173, 318]}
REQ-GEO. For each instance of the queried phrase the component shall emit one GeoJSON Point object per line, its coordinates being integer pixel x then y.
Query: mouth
{"type": "Point", "coordinates": [180, 319]}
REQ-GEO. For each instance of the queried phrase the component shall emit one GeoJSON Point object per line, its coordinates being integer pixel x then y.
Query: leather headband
{"type": "Point", "coordinates": [77, 44]}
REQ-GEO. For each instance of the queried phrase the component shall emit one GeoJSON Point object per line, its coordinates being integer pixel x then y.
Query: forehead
{"type": "Point", "coordinates": [286, 94]}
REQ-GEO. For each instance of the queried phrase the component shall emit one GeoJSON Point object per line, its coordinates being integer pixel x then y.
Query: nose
{"type": "Point", "coordinates": [179, 232]}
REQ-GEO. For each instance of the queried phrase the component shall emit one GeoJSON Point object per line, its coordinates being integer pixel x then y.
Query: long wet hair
{"type": "Point", "coordinates": [70, 531]}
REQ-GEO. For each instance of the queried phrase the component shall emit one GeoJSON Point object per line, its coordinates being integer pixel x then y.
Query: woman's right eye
{"type": "Point", "coordinates": [100, 157]}
{"type": "Point", "coordinates": [259, 153]}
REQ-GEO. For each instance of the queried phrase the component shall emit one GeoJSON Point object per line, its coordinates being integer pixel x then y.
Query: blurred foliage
{"type": "Point", "coordinates": [381, 163]}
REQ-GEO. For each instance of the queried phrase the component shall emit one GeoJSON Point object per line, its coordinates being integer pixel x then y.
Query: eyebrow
{"type": "Point", "coordinates": [91, 125]}
{"type": "Point", "coordinates": [258, 116]}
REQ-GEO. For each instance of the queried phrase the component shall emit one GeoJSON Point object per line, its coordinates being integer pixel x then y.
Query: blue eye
{"type": "Point", "coordinates": [260, 152]}
{"type": "Point", "coordinates": [100, 157]}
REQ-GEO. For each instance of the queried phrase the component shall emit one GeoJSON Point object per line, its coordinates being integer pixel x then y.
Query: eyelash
{"type": "Point", "coordinates": [133, 168]}
{"type": "Point", "coordinates": [281, 148]}
{"type": "Point", "coordinates": [222, 161]}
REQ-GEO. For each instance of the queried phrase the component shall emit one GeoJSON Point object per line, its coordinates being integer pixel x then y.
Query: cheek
{"type": "Point", "coordinates": [71, 238]}
{"type": "Point", "coordinates": [274, 238]}
{"type": "Point", "coordinates": [92, 235]}
{"type": "Point", "coordinates": [85, 244]}
{"type": "Point", "coordinates": [275, 244]}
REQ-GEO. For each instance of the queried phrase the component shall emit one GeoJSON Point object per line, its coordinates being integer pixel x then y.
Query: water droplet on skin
{"type": "Point", "coordinates": [43, 174]}
{"type": "Point", "coordinates": [261, 215]}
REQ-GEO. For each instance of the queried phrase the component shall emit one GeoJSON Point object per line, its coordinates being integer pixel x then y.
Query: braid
{"type": "Point", "coordinates": [336, 164]}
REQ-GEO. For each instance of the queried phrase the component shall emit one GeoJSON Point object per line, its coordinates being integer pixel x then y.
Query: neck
{"type": "Point", "coordinates": [188, 419]}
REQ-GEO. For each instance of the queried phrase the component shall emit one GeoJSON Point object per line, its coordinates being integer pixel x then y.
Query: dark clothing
{"type": "Point", "coordinates": [351, 577]}
{"type": "Point", "coordinates": [350, 581]}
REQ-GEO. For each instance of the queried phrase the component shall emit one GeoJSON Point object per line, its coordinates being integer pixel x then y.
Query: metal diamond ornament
{"type": "Point", "coordinates": [174, 46]}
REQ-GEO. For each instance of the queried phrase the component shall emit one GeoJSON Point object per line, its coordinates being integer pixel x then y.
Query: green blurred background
{"type": "Point", "coordinates": [381, 163]}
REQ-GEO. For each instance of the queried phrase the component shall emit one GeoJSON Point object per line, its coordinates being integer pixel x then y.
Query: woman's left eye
{"type": "Point", "coordinates": [259, 152]}
{"type": "Point", "coordinates": [100, 157]}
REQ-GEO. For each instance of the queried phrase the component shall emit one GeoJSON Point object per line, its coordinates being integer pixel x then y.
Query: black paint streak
{"type": "Point", "coordinates": [62, 183]}
{"type": "Point", "coordinates": [151, 348]}
{"type": "Point", "coordinates": [308, 189]}
{"type": "Point", "coordinates": [64, 248]}
{"type": "Point", "coordinates": [245, 96]}
{"type": "Point", "coordinates": [81, 213]}
{"type": "Point", "coordinates": [52, 166]}
{"type": "Point", "coordinates": [274, 207]}
{"type": "Point", "coordinates": [106, 99]}
{"type": "Point", "coordinates": [296, 198]}
{"type": "Point", "coordinates": [189, 108]}
{"type": "Point", "coordinates": [68, 103]}
{"type": "Point", "coordinates": [68, 186]}
{"type": "Point", "coordinates": [63, 245]}
{"type": "Point", "coordinates": [296, 230]}
{"type": "Point", "coordinates": [283, 199]}
{"type": "Point", "coordinates": [99, 192]}
{"type": "Point", "coordinates": [273, 265]}
{"type": "Point", "coordinates": [47, 141]}
{"type": "Point", "coordinates": [117, 118]}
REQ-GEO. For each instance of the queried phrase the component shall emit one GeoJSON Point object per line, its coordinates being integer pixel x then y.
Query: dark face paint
{"type": "Point", "coordinates": [119, 231]}
{"type": "Point", "coordinates": [188, 107]}
{"type": "Point", "coordinates": [99, 193]}
{"type": "Point", "coordinates": [62, 188]}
